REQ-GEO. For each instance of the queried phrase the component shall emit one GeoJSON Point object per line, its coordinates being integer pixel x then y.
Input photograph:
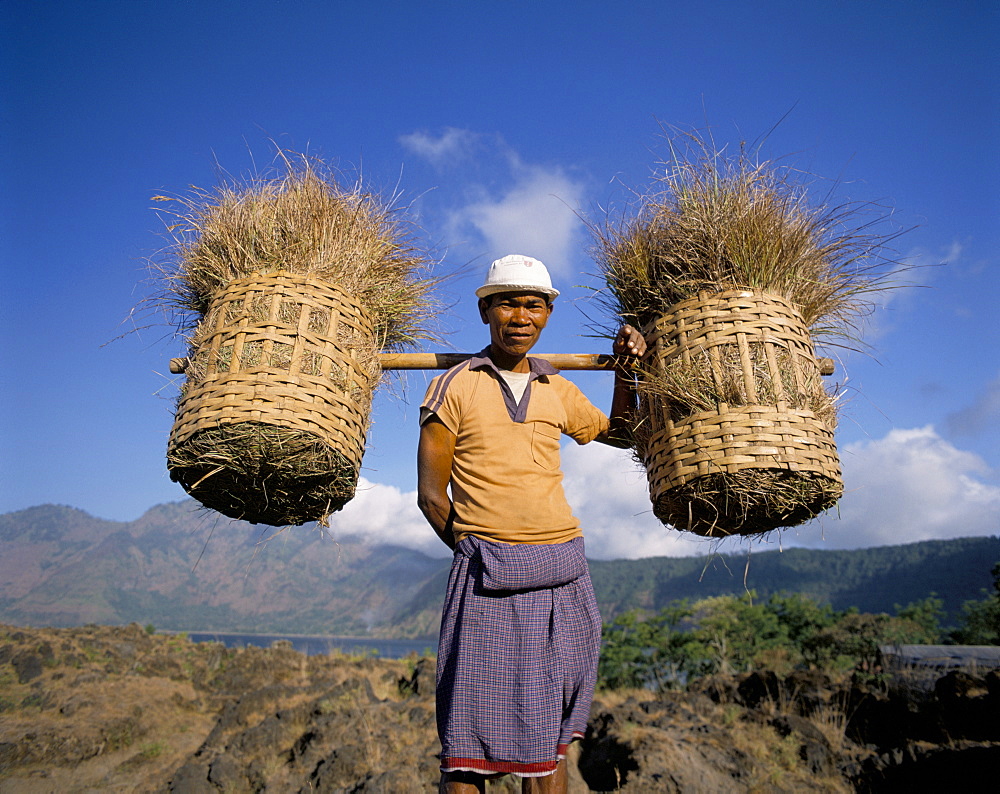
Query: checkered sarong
{"type": "Point", "coordinates": [517, 657]}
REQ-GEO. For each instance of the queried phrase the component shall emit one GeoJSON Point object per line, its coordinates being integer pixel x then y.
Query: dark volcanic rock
{"type": "Point", "coordinates": [606, 762]}
{"type": "Point", "coordinates": [971, 769]}
{"type": "Point", "coordinates": [757, 687]}
{"type": "Point", "coordinates": [814, 747]}
{"type": "Point", "coordinates": [27, 665]}
{"type": "Point", "coordinates": [667, 743]}
{"type": "Point", "coordinates": [104, 708]}
{"type": "Point", "coordinates": [957, 684]}
{"type": "Point", "coordinates": [421, 681]}
{"type": "Point", "coordinates": [227, 773]}
{"type": "Point", "coordinates": [191, 778]}
{"type": "Point", "coordinates": [721, 689]}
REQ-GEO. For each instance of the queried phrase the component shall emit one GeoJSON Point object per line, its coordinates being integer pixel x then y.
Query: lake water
{"type": "Point", "coordinates": [386, 649]}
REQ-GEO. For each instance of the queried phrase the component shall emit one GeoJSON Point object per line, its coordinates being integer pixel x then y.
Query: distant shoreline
{"type": "Point", "coordinates": [291, 635]}
{"type": "Point", "coordinates": [319, 644]}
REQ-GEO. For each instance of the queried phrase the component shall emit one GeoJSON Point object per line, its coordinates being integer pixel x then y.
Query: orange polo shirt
{"type": "Point", "coordinates": [506, 481]}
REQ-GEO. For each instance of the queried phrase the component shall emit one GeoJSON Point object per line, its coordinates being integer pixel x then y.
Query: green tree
{"type": "Point", "coordinates": [979, 624]}
{"type": "Point", "coordinates": [980, 621]}
{"type": "Point", "coordinates": [732, 634]}
{"type": "Point", "coordinates": [639, 651]}
{"type": "Point", "coordinates": [924, 617]}
{"type": "Point", "coordinates": [801, 617]}
{"type": "Point", "coordinates": [853, 640]}
{"type": "Point", "coordinates": [623, 652]}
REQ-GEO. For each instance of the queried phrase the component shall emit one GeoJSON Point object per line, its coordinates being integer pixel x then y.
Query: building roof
{"type": "Point", "coordinates": [942, 656]}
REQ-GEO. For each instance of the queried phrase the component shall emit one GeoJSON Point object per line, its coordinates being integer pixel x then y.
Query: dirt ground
{"type": "Point", "coordinates": [115, 709]}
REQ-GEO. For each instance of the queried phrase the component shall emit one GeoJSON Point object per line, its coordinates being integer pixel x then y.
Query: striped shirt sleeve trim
{"type": "Point", "coordinates": [434, 402]}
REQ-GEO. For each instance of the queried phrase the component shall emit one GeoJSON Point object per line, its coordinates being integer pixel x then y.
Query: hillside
{"type": "Point", "coordinates": [115, 709]}
{"type": "Point", "coordinates": [873, 580]}
{"type": "Point", "coordinates": [180, 568]}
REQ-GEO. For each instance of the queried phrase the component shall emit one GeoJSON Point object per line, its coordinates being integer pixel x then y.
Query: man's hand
{"type": "Point", "coordinates": [629, 342]}
{"type": "Point", "coordinates": [629, 345]}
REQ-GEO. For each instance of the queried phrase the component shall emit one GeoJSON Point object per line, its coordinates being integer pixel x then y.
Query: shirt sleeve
{"type": "Point", "coordinates": [442, 400]}
{"type": "Point", "coordinates": [584, 421]}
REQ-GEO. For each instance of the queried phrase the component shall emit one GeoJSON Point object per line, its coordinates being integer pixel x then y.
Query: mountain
{"type": "Point", "coordinates": [873, 580]}
{"type": "Point", "coordinates": [181, 568]}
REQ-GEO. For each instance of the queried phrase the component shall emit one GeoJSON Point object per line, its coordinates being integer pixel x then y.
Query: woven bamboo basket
{"type": "Point", "coordinates": [749, 448]}
{"type": "Point", "coordinates": [271, 423]}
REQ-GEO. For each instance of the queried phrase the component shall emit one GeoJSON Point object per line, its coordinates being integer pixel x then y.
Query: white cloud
{"type": "Point", "coordinates": [531, 218]}
{"type": "Point", "coordinates": [384, 514]}
{"type": "Point", "coordinates": [608, 493]}
{"type": "Point", "coordinates": [452, 145]}
{"type": "Point", "coordinates": [534, 215]}
{"type": "Point", "coordinates": [909, 486]}
{"type": "Point", "coordinates": [920, 267]}
{"type": "Point", "coordinates": [506, 205]}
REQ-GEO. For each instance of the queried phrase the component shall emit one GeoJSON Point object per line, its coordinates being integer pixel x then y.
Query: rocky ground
{"type": "Point", "coordinates": [119, 710]}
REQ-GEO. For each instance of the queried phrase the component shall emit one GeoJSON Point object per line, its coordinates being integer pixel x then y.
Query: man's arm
{"type": "Point", "coordinates": [629, 343]}
{"type": "Point", "coordinates": [435, 453]}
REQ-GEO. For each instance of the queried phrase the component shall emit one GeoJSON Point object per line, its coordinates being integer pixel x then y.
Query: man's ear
{"type": "Point", "coordinates": [483, 306]}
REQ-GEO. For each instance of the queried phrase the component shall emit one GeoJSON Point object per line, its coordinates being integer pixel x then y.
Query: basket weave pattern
{"type": "Point", "coordinates": [284, 350]}
{"type": "Point", "coordinates": [744, 437]}
{"type": "Point", "coordinates": [756, 359]}
{"type": "Point", "coordinates": [293, 367]}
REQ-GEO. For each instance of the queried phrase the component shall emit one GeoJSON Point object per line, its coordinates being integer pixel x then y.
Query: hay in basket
{"type": "Point", "coordinates": [289, 287]}
{"type": "Point", "coordinates": [730, 273]}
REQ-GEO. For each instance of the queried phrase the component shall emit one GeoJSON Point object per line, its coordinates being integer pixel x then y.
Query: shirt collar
{"type": "Point", "coordinates": [537, 367]}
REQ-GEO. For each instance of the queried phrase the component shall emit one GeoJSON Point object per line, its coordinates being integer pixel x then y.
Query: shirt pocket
{"type": "Point", "coordinates": [545, 445]}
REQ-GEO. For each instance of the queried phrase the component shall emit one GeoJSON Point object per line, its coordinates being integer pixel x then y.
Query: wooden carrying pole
{"type": "Point", "coordinates": [593, 361]}
{"type": "Point", "coordinates": [577, 361]}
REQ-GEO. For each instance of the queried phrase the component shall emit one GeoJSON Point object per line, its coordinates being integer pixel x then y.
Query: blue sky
{"type": "Point", "coordinates": [501, 123]}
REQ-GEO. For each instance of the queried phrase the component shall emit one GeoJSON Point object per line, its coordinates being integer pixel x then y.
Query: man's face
{"type": "Point", "coordinates": [516, 320]}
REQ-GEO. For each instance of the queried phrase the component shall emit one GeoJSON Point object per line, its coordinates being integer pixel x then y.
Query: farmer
{"type": "Point", "coordinates": [520, 631]}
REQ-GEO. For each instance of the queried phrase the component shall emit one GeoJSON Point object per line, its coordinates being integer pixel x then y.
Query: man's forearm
{"type": "Point", "coordinates": [623, 408]}
{"type": "Point", "coordinates": [629, 346]}
{"type": "Point", "coordinates": [440, 514]}
{"type": "Point", "coordinates": [435, 455]}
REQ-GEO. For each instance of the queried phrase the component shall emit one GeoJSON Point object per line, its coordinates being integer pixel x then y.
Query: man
{"type": "Point", "coordinates": [520, 631]}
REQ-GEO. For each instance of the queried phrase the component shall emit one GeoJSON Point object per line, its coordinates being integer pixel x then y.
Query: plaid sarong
{"type": "Point", "coordinates": [517, 657]}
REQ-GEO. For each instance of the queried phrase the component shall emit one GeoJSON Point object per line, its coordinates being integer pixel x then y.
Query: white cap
{"type": "Point", "coordinates": [517, 273]}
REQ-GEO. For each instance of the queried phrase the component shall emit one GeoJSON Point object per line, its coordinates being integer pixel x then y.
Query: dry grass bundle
{"type": "Point", "coordinates": [713, 248]}
{"type": "Point", "coordinates": [287, 287]}
{"type": "Point", "coordinates": [713, 222]}
{"type": "Point", "coordinates": [264, 473]}
{"type": "Point", "coordinates": [704, 382]}
{"type": "Point", "coordinates": [302, 221]}
{"type": "Point", "coordinates": [748, 502]}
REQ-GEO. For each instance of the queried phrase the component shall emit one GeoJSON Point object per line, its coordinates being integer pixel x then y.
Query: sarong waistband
{"type": "Point", "coordinates": [513, 567]}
